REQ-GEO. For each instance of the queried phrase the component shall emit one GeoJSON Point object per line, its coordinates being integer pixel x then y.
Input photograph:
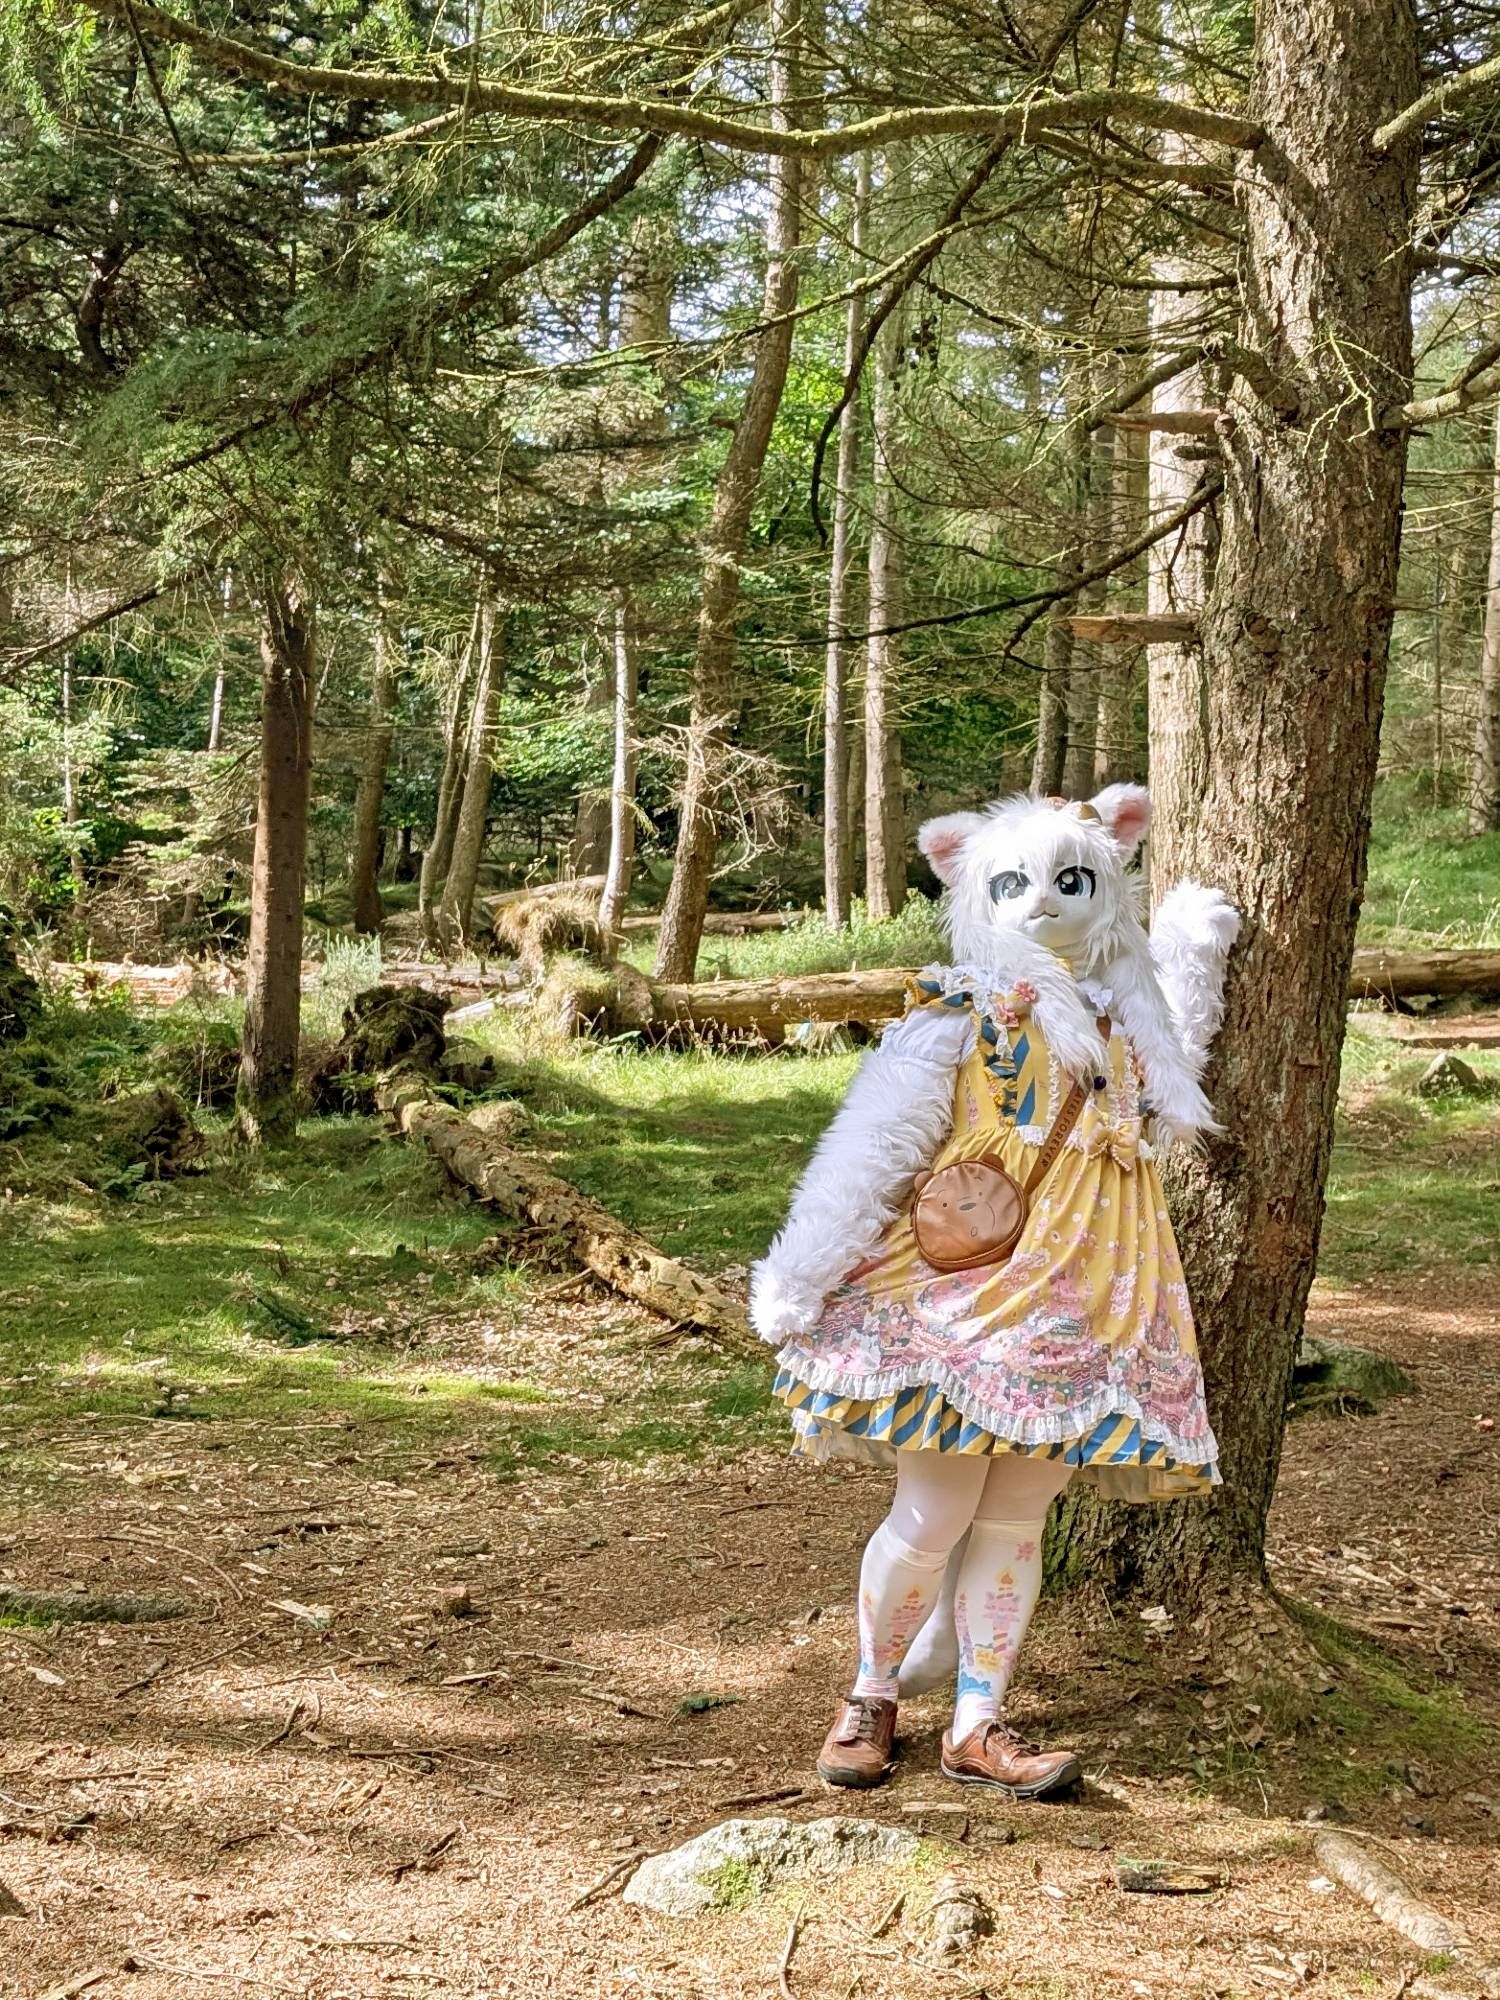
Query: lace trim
{"type": "Point", "coordinates": [1067, 1427]}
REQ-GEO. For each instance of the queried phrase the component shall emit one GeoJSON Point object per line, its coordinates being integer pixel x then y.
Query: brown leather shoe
{"type": "Point", "coordinates": [860, 1748]}
{"type": "Point", "coordinates": [993, 1754]}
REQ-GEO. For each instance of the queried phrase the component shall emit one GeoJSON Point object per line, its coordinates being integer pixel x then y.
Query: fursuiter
{"type": "Point", "coordinates": [1038, 894]}
{"type": "Point", "coordinates": [1073, 1357]}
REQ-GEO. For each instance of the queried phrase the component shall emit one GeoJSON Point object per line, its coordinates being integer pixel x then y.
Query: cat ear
{"type": "Point", "coordinates": [943, 841]}
{"type": "Point", "coordinates": [1126, 813]}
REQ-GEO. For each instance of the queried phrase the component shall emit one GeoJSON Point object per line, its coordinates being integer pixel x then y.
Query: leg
{"type": "Point", "coordinates": [936, 1497]}
{"type": "Point", "coordinates": [899, 1578]}
{"type": "Point", "coordinates": [998, 1583]}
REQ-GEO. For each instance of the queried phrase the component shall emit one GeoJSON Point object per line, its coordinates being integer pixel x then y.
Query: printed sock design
{"type": "Point", "coordinates": [898, 1586]}
{"type": "Point", "coordinates": [998, 1586]}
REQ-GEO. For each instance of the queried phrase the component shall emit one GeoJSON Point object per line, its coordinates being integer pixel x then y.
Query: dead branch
{"type": "Point", "coordinates": [626, 1261]}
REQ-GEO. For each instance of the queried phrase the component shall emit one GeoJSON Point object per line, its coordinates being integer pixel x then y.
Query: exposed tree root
{"type": "Point", "coordinates": [1363, 1872]}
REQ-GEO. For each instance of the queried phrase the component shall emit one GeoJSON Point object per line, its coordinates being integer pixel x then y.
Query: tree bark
{"type": "Point", "coordinates": [715, 702]}
{"type": "Point", "coordinates": [456, 907]}
{"type": "Point", "coordinates": [266, 1098]}
{"type": "Point", "coordinates": [885, 823]}
{"type": "Point", "coordinates": [439, 851]}
{"type": "Point", "coordinates": [838, 843]}
{"type": "Point", "coordinates": [589, 850]}
{"type": "Point", "coordinates": [1268, 776]}
{"type": "Point", "coordinates": [1178, 570]}
{"type": "Point", "coordinates": [1484, 767]}
{"type": "Point", "coordinates": [1086, 669]}
{"type": "Point", "coordinates": [369, 798]}
{"type": "Point", "coordinates": [1052, 716]}
{"type": "Point", "coordinates": [1117, 756]}
{"type": "Point", "coordinates": [620, 871]}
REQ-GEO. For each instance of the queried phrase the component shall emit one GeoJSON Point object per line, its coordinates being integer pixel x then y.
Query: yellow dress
{"type": "Point", "coordinates": [1079, 1347]}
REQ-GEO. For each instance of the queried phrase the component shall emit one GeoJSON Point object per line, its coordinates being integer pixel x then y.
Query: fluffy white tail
{"type": "Point", "coordinates": [1191, 936]}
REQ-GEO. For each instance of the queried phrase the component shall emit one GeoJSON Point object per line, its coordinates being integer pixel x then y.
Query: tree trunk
{"type": "Point", "coordinates": [369, 799]}
{"type": "Point", "coordinates": [838, 847]}
{"type": "Point", "coordinates": [266, 1099]}
{"type": "Point", "coordinates": [439, 851]}
{"type": "Point", "coordinates": [1484, 767]}
{"type": "Point", "coordinates": [455, 910]}
{"type": "Point", "coordinates": [885, 825]}
{"type": "Point", "coordinates": [715, 702]}
{"type": "Point", "coordinates": [1296, 633]}
{"type": "Point", "coordinates": [1180, 568]}
{"type": "Point", "coordinates": [1088, 664]}
{"type": "Point", "coordinates": [589, 849]}
{"type": "Point", "coordinates": [1117, 756]}
{"type": "Point", "coordinates": [627, 675]}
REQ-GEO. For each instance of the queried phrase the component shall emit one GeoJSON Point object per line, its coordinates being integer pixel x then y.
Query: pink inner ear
{"type": "Point", "coordinates": [1128, 818]}
{"type": "Point", "coordinates": [943, 845]}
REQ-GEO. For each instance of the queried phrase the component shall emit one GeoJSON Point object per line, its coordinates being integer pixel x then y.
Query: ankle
{"type": "Point", "coordinates": [971, 1712]}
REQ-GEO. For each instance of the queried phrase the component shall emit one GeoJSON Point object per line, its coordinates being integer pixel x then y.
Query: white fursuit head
{"type": "Point", "coordinates": [1037, 890]}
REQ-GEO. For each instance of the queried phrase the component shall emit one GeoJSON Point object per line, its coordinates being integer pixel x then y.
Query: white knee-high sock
{"type": "Point", "coordinates": [999, 1582]}
{"type": "Point", "coordinates": [898, 1586]}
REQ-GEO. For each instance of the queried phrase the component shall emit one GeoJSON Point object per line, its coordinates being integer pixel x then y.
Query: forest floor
{"type": "Point", "coordinates": [314, 1396]}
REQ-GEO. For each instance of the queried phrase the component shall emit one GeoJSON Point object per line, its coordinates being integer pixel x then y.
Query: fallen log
{"type": "Point", "coordinates": [730, 923]}
{"type": "Point", "coordinates": [1382, 974]}
{"type": "Point", "coordinates": [621, 1257]}
{"type": "Point", "coordinates": [765, 1006]}
{"type": "Point", "coordinates": [580, 885]}
{"type": "Point", "coordinates": [762, 1005]}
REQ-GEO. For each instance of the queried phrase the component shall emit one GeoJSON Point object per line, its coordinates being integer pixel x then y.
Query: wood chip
{"type": "Point", "coordinates": [1169, 1878]}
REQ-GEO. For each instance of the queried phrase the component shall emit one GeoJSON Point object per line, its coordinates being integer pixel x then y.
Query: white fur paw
{"type": "Point", "coordinates": [1182, 1117]}
{"type": "Point", "coordinates": [1201, 915]}
{"type": "Point", "coordinates": [779, 1305]}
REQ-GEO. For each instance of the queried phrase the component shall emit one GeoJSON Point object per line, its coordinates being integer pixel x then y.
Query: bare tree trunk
{"type": "Point", "coordinates": [1484, 768]}
{"type": "Point", "coordinates": [439, 850]}
{"type": "Point", "coordinates": [621, 866]}
{"type": "Point", "coordinates": [1276, 807]}
{"type": "Point", "coordinates": [369, 798]}
{"type": "Point", "coordinates": [715, 702]}
{"type": "Point", "coordinates": [1180, 568]}
{"type": "Point", "coordinates": [266, 1099]}
{"type": "Point", "coordinates": [1048, 763]}
{"type": "Point", "coordinates": [589, 850]}
{"type": "Point", "coordinates": [456, 907]}
{"type": "Point", "coordinates": [216, 711]}
{"type": "Point", "coordinates": [837, 844]}
{"type": "Point", "coordinates": [1117, 755]}
{"type": "Point", "coordinates": [885, 826]}
{"type": "Point", "coordinates": [1087, 664]}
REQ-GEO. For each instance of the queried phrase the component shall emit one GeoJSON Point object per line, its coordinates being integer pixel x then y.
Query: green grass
{"type": "Point", "coordinates": [698, 1150]}
{"type": "Point", "coordinates": [1429, 883]}
{"type": "Point", "coordinates": [156, 1307]}
{"type": "Point", "coordinates": [1415, 1181]}
{"type": "Point", "coordinates": [1383, 1715]}
{"type": "Point", "coordinates": [912, 938]}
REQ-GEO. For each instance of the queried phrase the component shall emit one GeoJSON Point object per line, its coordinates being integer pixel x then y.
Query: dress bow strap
{"type": "Point", "coordinates": [1121, 1138]}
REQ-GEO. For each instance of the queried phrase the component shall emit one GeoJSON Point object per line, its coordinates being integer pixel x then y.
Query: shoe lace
{"type": "Point", "coordinates": [868, 1717]}
{"type": "Point", "coordinates": [1010, 1738]}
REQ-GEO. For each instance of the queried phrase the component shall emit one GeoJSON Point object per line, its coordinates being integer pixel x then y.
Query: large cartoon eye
{"type": "Point", "coordinates": [1007, 885]}
{"type": "Point", "coordinates": [1075, 882]}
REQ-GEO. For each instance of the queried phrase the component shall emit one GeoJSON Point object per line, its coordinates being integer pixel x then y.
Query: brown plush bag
{"type": "Point", "coordinates": [973, 1212]}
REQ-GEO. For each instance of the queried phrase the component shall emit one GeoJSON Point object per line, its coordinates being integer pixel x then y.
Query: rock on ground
{"type": "Point", "coordinates": [1449, 1075]}
{"type": "Point", "coordinates": [725, 1867]}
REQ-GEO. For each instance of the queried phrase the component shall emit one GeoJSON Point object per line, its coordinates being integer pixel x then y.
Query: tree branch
{"type": "Point", "coordinates": [1471, 384]}
{"type": "Point", "coordinates": [1038, 600]}
{"type": "Point", "coordinates": [485, 286]}
{"type": "Point", "coordinates": [1452, 90]}
{"type": "Point", "coordinates": [666, 119]}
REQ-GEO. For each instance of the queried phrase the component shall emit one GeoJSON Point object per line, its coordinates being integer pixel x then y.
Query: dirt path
{"type": "Point", "coordinates": [411, 1803]}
